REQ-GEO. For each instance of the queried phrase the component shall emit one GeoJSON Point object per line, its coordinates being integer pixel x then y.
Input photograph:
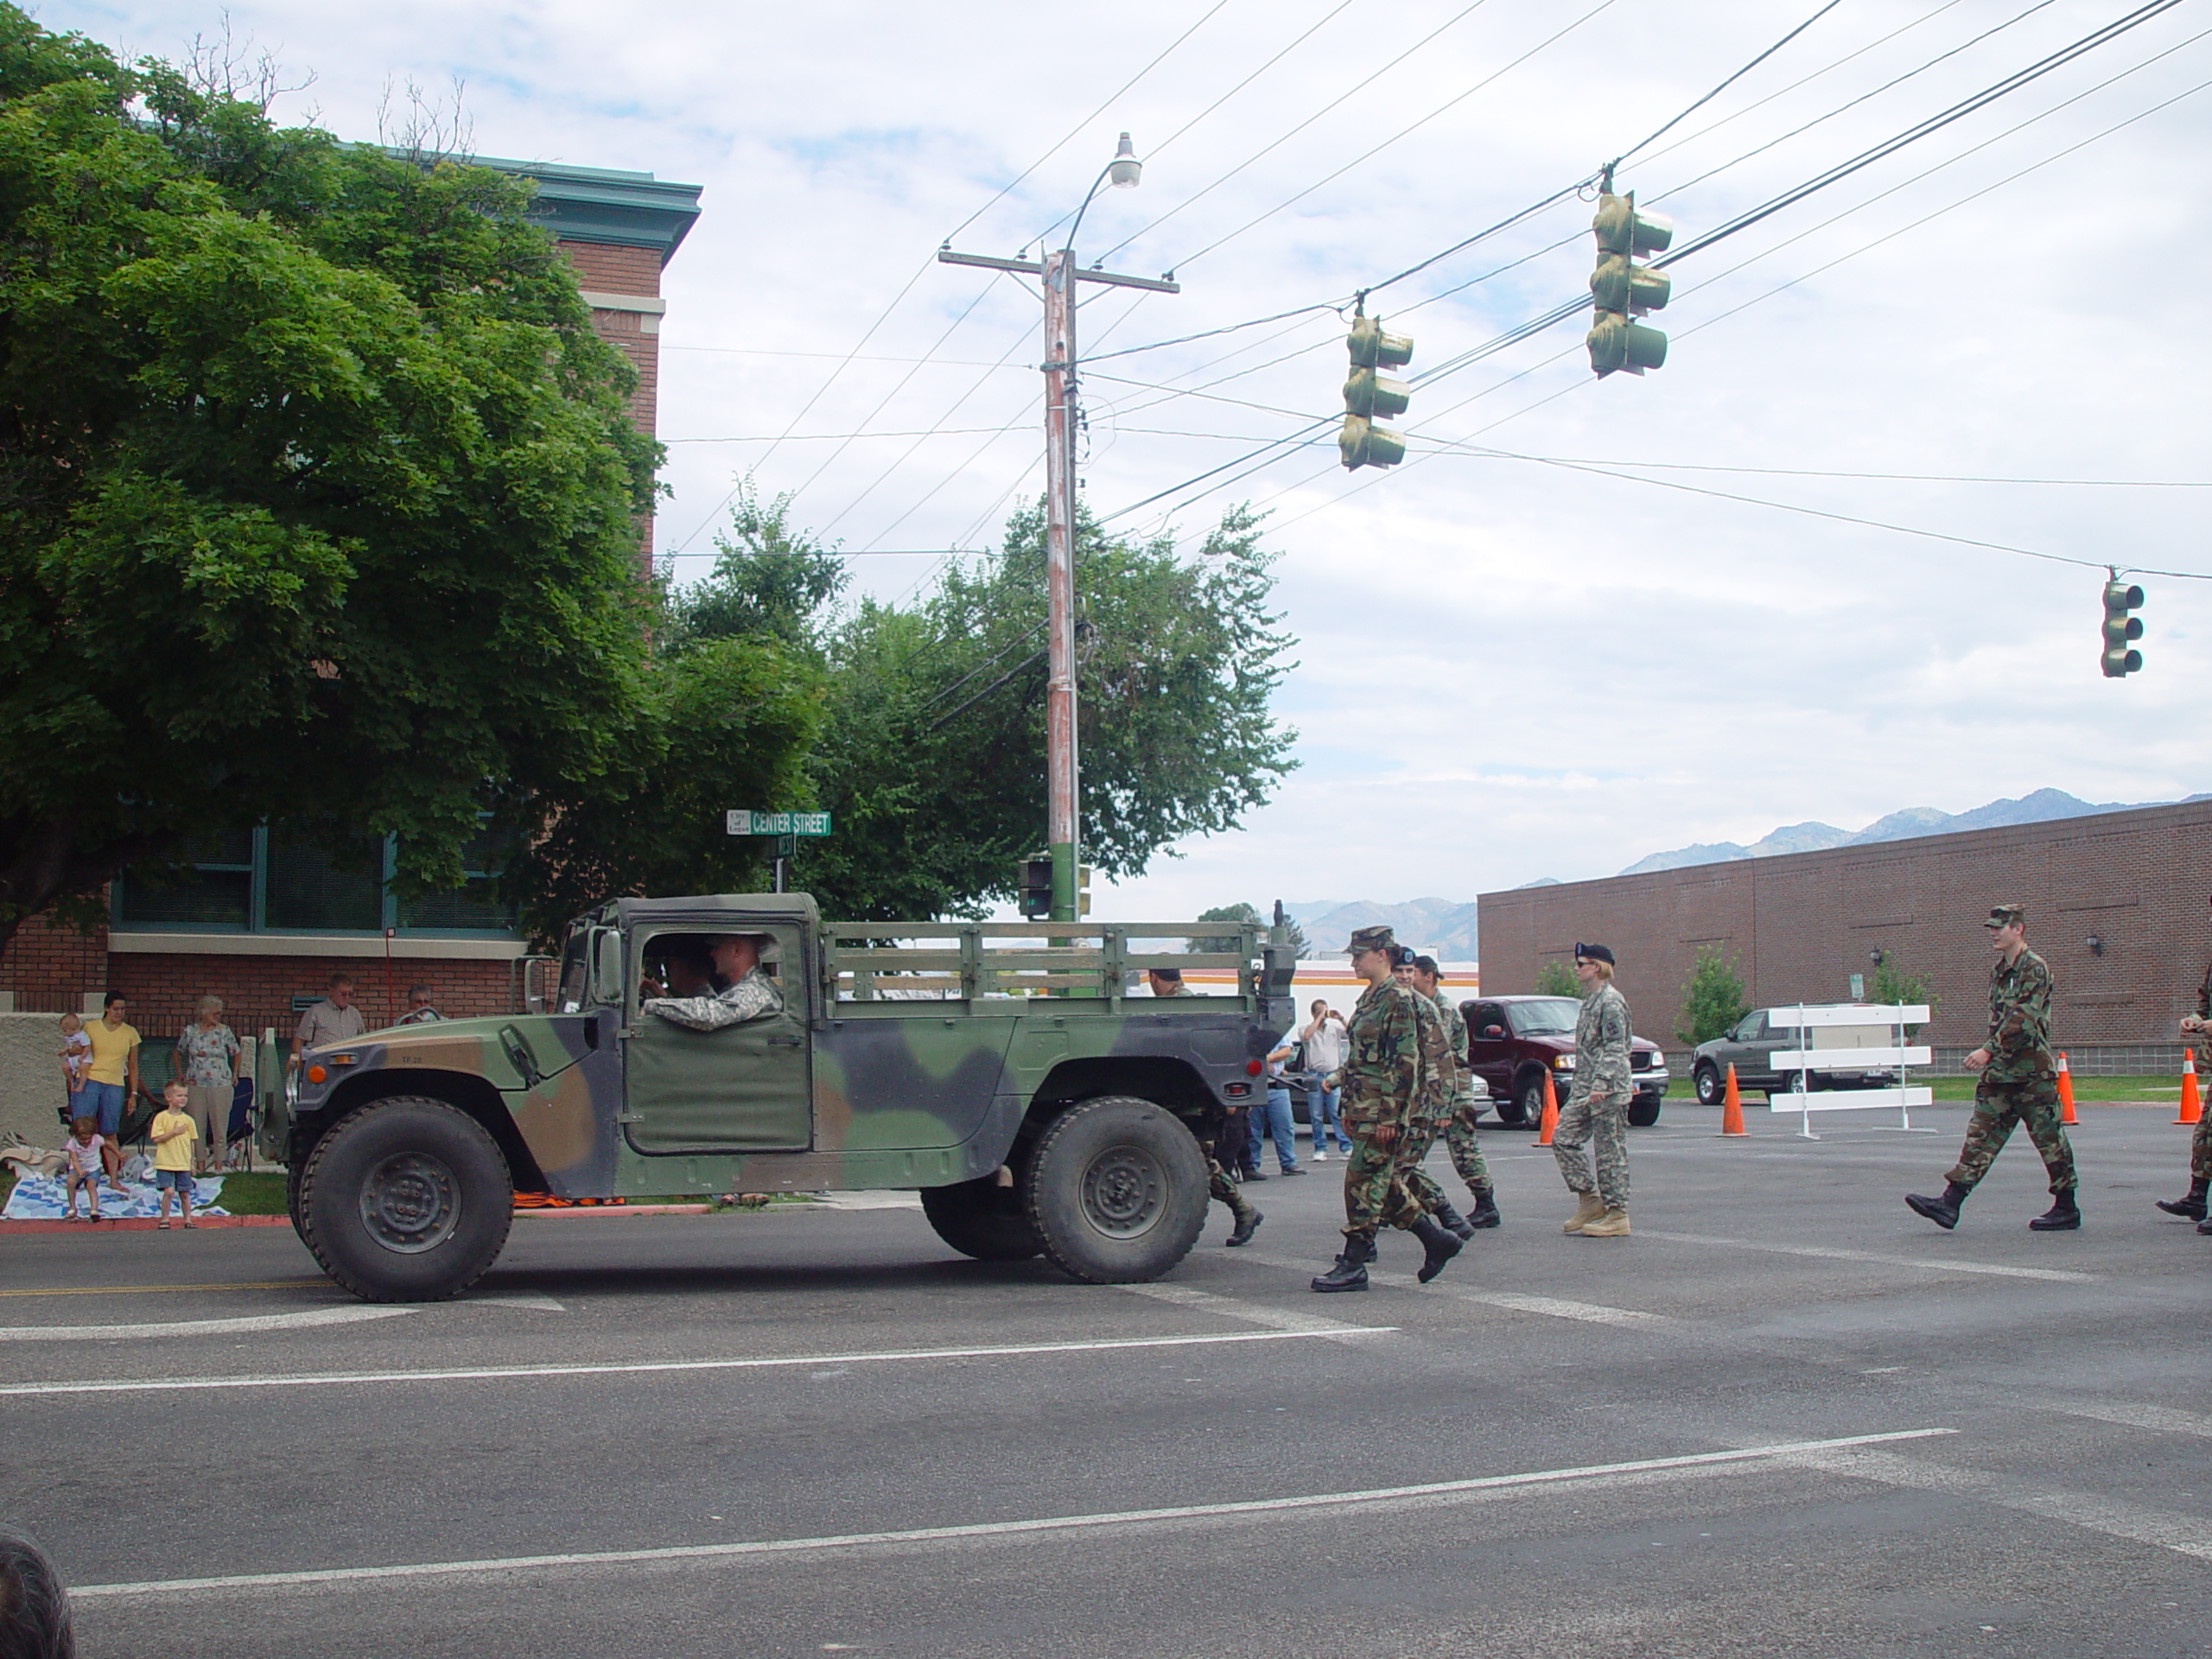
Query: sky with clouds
{"type": "Point", "coordinates": [1510, 667]}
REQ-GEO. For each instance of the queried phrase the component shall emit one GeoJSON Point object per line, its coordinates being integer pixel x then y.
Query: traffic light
{"type": "Point", "coordinates": [1036, 887]}
{"type": "Point", "coordinates": [1369, 396]}
{"type": "Point", "coordinates": [2119, 660]}
{"type": "Point", "coordinates": [1624, 290]}
{"type": "Point", "coordinates": [1083, 889]}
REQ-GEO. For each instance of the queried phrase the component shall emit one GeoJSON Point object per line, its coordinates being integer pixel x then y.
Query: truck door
{"type": "Point", "coordinates": [745, 1088]}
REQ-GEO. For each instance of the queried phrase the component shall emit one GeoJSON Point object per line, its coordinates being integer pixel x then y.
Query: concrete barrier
{"type": "Point", "coordinates": [30, 1076]}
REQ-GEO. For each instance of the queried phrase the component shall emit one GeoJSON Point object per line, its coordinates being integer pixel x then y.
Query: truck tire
{"type": "Point", "coordinates": [1116, 1191]}
{"type": "Point", "coordinates": [982, 1220]}
{"type": "Point", "coordinates": [1711, 1086]}
{"type": "Point", "coordinates": [1644, 1111]}
{"type": "Point", "coordinates": [1527, 1104]}
{"type": "Point", "coordinates": [407, 1200]}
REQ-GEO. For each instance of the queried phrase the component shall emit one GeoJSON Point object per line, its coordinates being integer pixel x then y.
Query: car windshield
{"type": "Point", "coordinates": [1544, 1016]}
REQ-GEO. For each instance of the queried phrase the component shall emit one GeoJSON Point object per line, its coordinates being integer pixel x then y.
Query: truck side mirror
{"type": "Point", "coordinates": [606, 965]}
{"type": "Point", "coordinates": [1491, 1032]}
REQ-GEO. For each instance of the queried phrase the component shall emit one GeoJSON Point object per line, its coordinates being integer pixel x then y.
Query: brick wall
{"type": "Point", "coordinates": [257, 991]}
{"type": "Point", "coordinates": [51, 968]}
{"type": "Point", "coordinates": [604, 268]}
{"type": "Point", "coordinates": [1798, 926]}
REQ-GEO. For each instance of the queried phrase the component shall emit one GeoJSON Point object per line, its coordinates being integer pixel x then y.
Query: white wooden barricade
{"type": "Point", "coordinates": [1850, 1036]}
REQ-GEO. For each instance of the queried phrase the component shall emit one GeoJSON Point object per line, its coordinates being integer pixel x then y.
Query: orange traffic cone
{"type": "Point", "coordinates": [1732, 1107]}
{"type": "Point", "coordinates": [1550, 1120]}
{"type": "Point", "coordinates": [2066, 1091]}
{"type": "Point", "coordinates": [2192, 1108]}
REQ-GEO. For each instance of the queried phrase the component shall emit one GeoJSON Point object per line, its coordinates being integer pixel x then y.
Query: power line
{"type": "Point", "coordinates": [1731, 81]}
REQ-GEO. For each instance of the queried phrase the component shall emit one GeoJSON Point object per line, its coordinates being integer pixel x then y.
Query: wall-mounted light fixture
{"type": "Point", "coordinates": [1874, 957]}
{"type": "Point", "coordinates": [2096, 944]}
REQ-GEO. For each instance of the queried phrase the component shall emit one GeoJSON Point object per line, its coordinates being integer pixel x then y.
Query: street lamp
{"type": "Point", "coordinates": [1060, 274]}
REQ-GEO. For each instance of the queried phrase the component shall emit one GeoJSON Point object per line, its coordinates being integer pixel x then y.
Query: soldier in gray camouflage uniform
{"type": "Point", "coordinates": [749, 994]}
{"type": "Point", "coordinates": [2020, 1083]}
{"type": "Point", "coordinates": [1388, 1066]}
{"type": "Point", "coordinates": [2197, 1028]}
{"type": "Point", "coordinates": [1597, 1101]}
{"type": "Point", "coordinates": [1459, 1128]}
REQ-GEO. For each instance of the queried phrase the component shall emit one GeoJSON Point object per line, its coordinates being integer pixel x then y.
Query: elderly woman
{"type": "Point", "coordinates": [207, 1057]}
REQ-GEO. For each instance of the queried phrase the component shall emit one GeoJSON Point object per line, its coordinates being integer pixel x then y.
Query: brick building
{"type": "Point", "coordinates": [2116, 904]}
{"type": "Point", "coordinates": [267, 919]}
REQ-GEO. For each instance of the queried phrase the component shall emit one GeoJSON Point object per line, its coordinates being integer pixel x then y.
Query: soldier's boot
{"type": "Point", "coordinates": [1247, 1223]}
{"type": "Point", "coordinates": [1351, 1270]}
{"type": "Point", "coordinates": [1441, 1243]}
{"type": "Point", "coordinates": [1451, 1219]}
{"type": "Point", "coordinates": [1486, 1213]}
{"type": "Point", "coordinates": [1943, 1211]}
{"type": "Point", "coordinates": [2064, 1215]}
{"type": "Point", "coordinates": [1591, 1207]}
{"type": "Point", "coordinates": [1613, 1224]}
{"type": "Point", "coordinates": [2190, 1208]}
{"type": "Point", "coordinates": [2205, 1227]}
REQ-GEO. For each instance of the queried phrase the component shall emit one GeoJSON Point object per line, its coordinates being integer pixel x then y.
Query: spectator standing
{"type": "Point", "coordinates": [80, 1162]}
{"type": "Point", "coordinates": [1274, 1120]}
{"type": "Point", "coordinates": [419, 1011]}
{"type": "Point", "coordinates": [112, 1081]}
{"type": "Point", "coordinates": [208, 1055]}
{"type": "Point", "coordinates": [333, 1019]}
{"type": "Point", "coordinates": [1323, 1038]}
{"type": "Point", "coordinates": [173, 1134]}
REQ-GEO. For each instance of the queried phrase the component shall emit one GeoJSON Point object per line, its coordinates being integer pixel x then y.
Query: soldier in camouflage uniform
{"type": "Point", "coordinates": [1453, 1092]}
{"type": "Point", "coordinates": [1459, 1127]}
{"type": "Point", "coordinates": [1168, 982]}
{"type": "Point", "coordinates": [1385, 1073]}
{"type": "Point", "coordinates": [749, 994]}
{"type": "Point", "coordinates": [2020, 1083]}
{"type": "Point", "coordinates": [2198, 1028]}
{"type": "Point", "coordinates": [1597, 1101]}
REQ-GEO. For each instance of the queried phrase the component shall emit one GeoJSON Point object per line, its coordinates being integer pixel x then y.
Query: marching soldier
{"type": "Point", "coordinates": [1597, 1103]}
{"type": "Point", "coordinates": [1385, 1073]}
{"type": "Point", "coordinates": [1459, 1127]}
{"type": "Point", "coordinates": [2020, 1083]}
{"type": "Point", "coordinates": [2198, 1026]}
{"type": "Point", "coordinates": [1434, 1102]}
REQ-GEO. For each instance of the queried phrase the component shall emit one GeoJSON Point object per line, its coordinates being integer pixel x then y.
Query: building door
{"type": "Point", "coordinates": [745, 1088]}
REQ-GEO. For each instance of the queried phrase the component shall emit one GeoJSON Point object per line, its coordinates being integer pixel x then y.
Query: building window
{"type": "Point", "coordinates": [274, 879]}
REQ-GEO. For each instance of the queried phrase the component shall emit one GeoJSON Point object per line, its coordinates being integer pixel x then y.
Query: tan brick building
{"type": "Point", "coordinates": [2116, 904]}
{"type": "Point", "coordinates": [268, 918]}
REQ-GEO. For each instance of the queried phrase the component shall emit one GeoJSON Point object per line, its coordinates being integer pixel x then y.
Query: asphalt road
{"type": "Point", "coordinates": [1786, 1417]}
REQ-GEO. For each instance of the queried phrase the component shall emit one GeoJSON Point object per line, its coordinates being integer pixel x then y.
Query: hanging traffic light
{"type": "Point", "coordinates": [1036, 887]}
{"type": "Point", "coordinates": [2119, 660]}
{"type": "Point", "coordinates": [1369, 396]}
{"type": "Point", "coordinates": [1624, 290]}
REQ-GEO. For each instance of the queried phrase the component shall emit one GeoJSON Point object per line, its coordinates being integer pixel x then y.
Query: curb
{"type": "Point", "coordinates": [138, 1223]}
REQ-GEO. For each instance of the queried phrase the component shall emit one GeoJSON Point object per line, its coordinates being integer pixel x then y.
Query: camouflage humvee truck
{"type": "Point", "coordinates": [1037, 1109]}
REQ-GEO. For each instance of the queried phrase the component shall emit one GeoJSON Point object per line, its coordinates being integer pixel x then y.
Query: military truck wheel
{"type": "Point", "coordinates": [982, 1219]}
{"type": "Point", "coordinates": [1116, 1191]}
{"type": "Point", "coordinates": [407, 1200]}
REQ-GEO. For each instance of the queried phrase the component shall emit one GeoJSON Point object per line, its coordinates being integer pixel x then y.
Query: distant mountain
{"type": "Point", "coordinates": [2042, 807]}
{"type": "Point", "coordinates": [1443, 927]}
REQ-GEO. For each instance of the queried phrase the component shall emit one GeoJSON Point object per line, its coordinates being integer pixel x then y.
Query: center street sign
{"type": "Point", "coordinates": [739, 822]}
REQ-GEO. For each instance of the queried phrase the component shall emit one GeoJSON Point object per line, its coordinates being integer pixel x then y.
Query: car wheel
{"type": "Point", "coordinates": [1711, 1086]}
{"type": "Point", "coordinates": [1527, 1102]}
{"type": "Point", "coordinates": [1644, 1111]}
{"type": "Point", "coordinates": [407, 1200]}
{"type": "Point", "coordinates": [982, 1220]}
{"type": "Point", "coordinates": [1116, 1191]}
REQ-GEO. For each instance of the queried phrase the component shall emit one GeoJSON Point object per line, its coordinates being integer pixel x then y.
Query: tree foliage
{"type": "Point", "coordinates": [1891, 984]}
{"type": "Point", "coordinates": [931, 752]}
{"type": "Point", "coordinates": [1713, 998]}
{"type": "Point", "coordinates": [1300, 947]}
{"type": "Point", "coordinates": [318, 494]}
{"type": "Point", "coordinates": [1555, 978]}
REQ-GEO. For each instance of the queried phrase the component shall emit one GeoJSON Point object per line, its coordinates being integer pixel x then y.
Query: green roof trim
{"type": "Point", "coordinates": [598, 204]}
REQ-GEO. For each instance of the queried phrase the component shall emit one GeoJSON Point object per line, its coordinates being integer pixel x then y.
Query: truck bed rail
{"type": "Point", "coordinates": [976, 961]}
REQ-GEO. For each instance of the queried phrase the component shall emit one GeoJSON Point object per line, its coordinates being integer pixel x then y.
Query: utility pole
{"type": "Point", "coordinates": [1061, 276]}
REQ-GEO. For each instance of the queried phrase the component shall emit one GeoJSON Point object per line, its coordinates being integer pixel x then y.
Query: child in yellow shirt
{"type": "Point", "coordinates": [172, 1134]}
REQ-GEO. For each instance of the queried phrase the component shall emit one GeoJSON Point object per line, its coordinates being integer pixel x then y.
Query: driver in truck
{"type": "Point", "coordinates": [749, 993]}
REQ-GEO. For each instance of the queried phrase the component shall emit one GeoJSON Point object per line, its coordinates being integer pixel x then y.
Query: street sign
{"type": "Point", "coordinates": [740, 822]}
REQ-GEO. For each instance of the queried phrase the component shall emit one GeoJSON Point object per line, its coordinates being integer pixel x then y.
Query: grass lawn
{"type": "Point", "coordinates": [2153, 1090]}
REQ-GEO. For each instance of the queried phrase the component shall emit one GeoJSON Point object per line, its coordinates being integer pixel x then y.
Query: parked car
{"type": "Point", "coordinates": [1514, 1040]}
{"type": "Point", "coordinates": [1751, 1048]}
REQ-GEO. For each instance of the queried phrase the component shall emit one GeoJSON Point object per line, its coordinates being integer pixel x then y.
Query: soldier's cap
{"type": "Point", "coordinates": [1401, 956]}
{"type": "Point", "coordinates": [1594, 953]}
{"type": "Point", "coordinates": [1172, 975]}
{"type": "Point", "coordinates": [1370, 939]}
{"type": "Point", "coordinates": [2006, 916]}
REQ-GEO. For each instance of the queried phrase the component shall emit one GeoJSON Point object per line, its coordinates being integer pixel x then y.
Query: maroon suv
{"type": "Point", "coordinates": [1514, 1040]}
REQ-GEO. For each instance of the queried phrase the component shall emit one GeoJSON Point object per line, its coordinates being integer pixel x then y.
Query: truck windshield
{"type": "Point", "coordinates": [1543, 1016]}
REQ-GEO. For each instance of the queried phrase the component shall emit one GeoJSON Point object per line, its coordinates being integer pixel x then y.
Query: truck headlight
{"type": "Point", "coordinates": [1562, 1062]}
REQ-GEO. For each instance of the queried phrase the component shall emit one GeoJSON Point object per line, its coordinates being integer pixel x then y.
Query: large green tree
{"type": "Point", "coordinates": [318, 495]}
{"type": "Point", "coordinates": [930, 755]}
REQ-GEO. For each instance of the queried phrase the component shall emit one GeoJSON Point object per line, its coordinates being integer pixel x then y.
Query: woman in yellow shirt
{"type": "Point", "coordinates": [111, 1077]}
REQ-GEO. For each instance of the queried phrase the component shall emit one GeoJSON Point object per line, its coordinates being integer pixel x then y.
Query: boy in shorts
{"type": "Point", "coordinates": [172, 1135]}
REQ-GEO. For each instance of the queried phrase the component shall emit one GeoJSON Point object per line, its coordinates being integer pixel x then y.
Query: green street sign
{"type": "Point", "coordinates": [740, 822]}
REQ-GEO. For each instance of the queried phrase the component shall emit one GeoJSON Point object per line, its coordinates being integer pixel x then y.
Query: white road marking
{"type": "Point", "coordinates": [2162, 1419]}
{"type": "Point", "coordinates": [197, 1327]}
{"type": "Point", "coordinates": [2114, 1517]}
{"type": "Point", "coordinates": [2062, 1276]}
{"type": "Point", "coordinates": [1514, 1301]}
{"type": "Point", "coordinates": [536, 1301]}
{"type": "Point", "coordinates": [477, 1373]}
{"type": "Point", "coordinates": [1599, 1471]}
{"type": "Point", "coordinates": [1230, 1307]}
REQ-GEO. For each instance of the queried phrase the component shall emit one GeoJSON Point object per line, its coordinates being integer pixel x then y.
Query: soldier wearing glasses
{"type": "Point", "coordinates": [1597, 1104]}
